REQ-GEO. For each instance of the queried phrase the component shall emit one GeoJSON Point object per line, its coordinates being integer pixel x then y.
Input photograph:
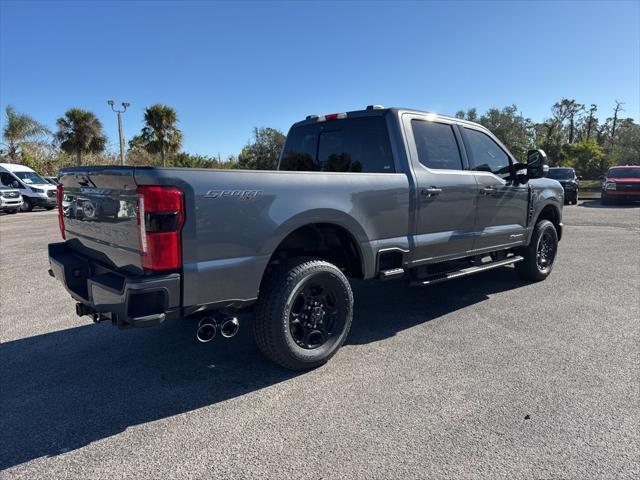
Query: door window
{"type": "Point", "coordinates": [485, 154]}
{"type": "Point", "coordinates": [437, 145]}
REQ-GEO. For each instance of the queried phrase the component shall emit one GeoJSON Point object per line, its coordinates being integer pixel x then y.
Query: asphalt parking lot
{"type": "Point", "coordinates": [483, 377]}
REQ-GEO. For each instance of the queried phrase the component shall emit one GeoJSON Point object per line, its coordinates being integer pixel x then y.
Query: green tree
{"type": "Point", "coordinates": [79, 132]}
{"type": "Point", "coordinates": [264, 151]}
{"type": "Point", "coordinates": [514, 130]}
{"type": "Point", "coordinates": [160, 134]}
{"type": "Point", "coordinates": [626, 147]}
{"type": "Point", "coordinates": [588, 158]}
{"type": "Point", "coordinates": [20, 129]}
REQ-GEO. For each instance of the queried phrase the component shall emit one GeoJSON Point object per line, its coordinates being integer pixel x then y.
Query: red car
{"type": "Point", "coordinates": [621, 184]}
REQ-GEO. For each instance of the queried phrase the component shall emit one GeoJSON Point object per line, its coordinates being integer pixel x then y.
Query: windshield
{"type": "Point", "coordinates": [624, 173]}
{"type": "Point", "coordinates": [30, 178]}
{"type": "Point", "coordinates": [560, 173]}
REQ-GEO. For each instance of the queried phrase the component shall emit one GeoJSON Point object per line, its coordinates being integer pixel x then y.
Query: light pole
{"type": "Point", "coordinates": [119, 112]}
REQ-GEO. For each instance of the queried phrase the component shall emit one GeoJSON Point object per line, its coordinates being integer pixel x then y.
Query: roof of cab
{"type": "Point", "coordinates": [378, 111]}
{"type": "Point", "coordinates": [15, 167]}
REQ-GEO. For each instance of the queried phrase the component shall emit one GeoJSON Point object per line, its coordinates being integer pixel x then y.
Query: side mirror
{"type": "Point", "coordinates": [16, 184]}
{"type": "Point", "coordinates": [537, 164]}
{"type": "Point", "coordinates": [601, 177]}
{"type": "Point", "coordinates": [580, 177]}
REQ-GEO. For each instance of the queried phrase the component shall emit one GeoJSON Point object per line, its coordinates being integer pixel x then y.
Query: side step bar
{"type": "Point", "coordinates": [444, 276]}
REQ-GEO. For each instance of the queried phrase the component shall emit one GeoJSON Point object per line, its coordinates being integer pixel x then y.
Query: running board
{"type": "Point", "coordinates": [450, 275]}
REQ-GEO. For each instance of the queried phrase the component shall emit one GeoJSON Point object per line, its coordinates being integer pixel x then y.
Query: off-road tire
{"type": "Point", "coordinates": [530, 268]}
{"type": "Point", "coordinates": [279, 290]}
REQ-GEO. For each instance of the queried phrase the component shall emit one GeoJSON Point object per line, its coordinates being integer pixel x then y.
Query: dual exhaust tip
{"type": "Point", "coordinates": [208, 327]}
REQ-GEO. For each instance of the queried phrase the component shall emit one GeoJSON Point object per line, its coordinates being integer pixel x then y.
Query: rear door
{"type": "Point", "coordinates": [501, 214]}
{"type": "Point", "coordinates": [99, 210]}
{"type": "Point", "coordinates": [446, 191]}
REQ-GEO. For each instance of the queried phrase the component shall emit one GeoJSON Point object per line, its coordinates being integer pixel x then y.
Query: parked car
{"type": "Point", "coordinates": [373, 194]}
{"type": "Point", "coordinates": [52, 180]}
{"type": "Point", "coordinates": [621, 184]}
{"type": "Point", "coordinates": [569, 181]}
{"type": "Point", "coordinates": [35, 190]}
{"type": "Point", "coordinates": [10, 199]}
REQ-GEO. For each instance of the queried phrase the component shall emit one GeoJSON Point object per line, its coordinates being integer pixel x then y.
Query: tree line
{"type": "Point", "coordinates": [572, 136]}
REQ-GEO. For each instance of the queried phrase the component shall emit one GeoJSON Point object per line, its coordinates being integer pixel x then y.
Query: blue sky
{"type": "Point", "coordinates": [227, 67]}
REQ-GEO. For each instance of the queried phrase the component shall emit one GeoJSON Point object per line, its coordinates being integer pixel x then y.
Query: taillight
{"type": "Point", "coordinates": [160, 218]}
{"type": "Point", "coordinates": [60, 211]}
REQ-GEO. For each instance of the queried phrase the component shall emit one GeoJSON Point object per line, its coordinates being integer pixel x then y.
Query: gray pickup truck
{"type": "Point", "coordinates": [381, 193]}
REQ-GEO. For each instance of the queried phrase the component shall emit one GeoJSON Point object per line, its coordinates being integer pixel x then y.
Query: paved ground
{"type": "Point", "coordinates": [485, 377]}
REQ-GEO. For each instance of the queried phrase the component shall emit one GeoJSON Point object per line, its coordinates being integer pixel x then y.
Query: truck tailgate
{"type": "Point", "coordinates": [99, 210]}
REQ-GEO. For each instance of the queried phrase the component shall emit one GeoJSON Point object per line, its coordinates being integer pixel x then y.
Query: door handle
{"type": "Point", "coordinates": [430, 192]}
{"type": "Point", "coordinates": [487, 190]}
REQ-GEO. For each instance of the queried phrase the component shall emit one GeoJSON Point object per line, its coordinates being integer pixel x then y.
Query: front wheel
{"type": "Point", "coordinates": [15, 210]}
{"type": "Point", "coordinates": [49, 207]}
{"type": "Point", "coordinates": [540, 254]}
{"type": "Point", "coordinates": [303, 314]}
{"type": "Point", "coordinates": [27, 205]}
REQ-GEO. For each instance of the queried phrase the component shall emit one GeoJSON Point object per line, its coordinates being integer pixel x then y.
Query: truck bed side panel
{"type": "Point", "coordinates": [236, 219]}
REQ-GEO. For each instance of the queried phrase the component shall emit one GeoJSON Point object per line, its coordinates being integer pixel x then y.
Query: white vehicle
{"type": "Point", "coordinates": [10, 199]}
{"type": "Point", "coordinates": [35, 190]}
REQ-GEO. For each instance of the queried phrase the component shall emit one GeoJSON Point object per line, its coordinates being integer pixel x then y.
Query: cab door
{"type": "Point", "coordinates": [502, 207]}
{"type": "Point", "coordinates": [445, 190]}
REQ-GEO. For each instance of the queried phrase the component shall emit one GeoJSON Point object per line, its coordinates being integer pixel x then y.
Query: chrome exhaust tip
{"type": "Point", "coordinates": [230, 326]}
{"type": "Point", "coordinates": [207, 328]}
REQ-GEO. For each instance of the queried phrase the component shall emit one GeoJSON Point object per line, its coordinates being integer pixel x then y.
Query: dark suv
{"type": "Point", "coordinates": [569, 181]}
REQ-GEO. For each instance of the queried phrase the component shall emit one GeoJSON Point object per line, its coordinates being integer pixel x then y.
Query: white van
{"type": "Point", "coordinates": [35, 190]}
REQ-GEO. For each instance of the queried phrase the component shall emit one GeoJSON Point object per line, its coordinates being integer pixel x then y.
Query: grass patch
{"type": "Point", "coordinates": [590, 185]}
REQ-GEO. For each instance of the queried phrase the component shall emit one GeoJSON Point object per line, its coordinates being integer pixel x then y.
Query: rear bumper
{"type": "Point", "coordinates": [137, 301]}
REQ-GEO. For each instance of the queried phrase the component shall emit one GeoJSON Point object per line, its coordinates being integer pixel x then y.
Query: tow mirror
{"type": "Point", "coordinates": [537, 164]}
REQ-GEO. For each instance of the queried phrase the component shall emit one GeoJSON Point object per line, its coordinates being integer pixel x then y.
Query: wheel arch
{"type": "Point", "coordinates": [331, 235]}
{"type": "Point", "coordinates": [549, 211]}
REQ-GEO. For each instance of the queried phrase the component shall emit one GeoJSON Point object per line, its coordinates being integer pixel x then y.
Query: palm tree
{"type": "Point", "coordinates": [19, 130]}
{"type": "Point", "coordinates": [79, 131]}
{"type": "Point", "coordinates": [160, 134]}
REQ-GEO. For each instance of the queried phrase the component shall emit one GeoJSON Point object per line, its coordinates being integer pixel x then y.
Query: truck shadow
{"type": "Point", "coordinates": [63, 390]}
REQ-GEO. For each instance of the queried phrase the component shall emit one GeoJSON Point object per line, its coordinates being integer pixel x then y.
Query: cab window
{"type": "Point", "coordinates": [485, 154]}
{"type": "Point", "coordinates": [437, 145]}
{"type": "Point", "coordinates": [349, 145]}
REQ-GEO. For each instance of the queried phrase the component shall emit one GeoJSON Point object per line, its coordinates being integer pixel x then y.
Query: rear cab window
{"type": "Point", "coordinates": [436, 145]}
{"type": "Point", "coordinates": [359, 144]}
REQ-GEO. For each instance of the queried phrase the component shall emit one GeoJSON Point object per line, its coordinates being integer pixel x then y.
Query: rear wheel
{"type": "Point", "coordinates": [49, 207]}
{"type": "Point", "coordinates": [540, 254]}
{"type": "Point", "coordinates": [304, 313]}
